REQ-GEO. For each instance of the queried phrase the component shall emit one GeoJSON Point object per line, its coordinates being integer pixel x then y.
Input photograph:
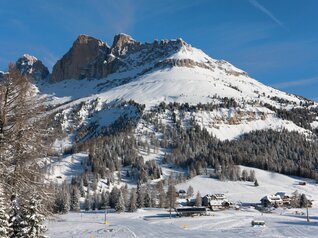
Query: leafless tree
{"type": "Point", "coordinates": [23, 135]}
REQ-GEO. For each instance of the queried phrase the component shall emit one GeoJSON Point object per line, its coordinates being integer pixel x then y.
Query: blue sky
{"type": "Point", "coordinates": [275, 41]}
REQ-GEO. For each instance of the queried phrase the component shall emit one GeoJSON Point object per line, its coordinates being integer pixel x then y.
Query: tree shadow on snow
{"type": "Point", "coordinates": [301, 223]}
{"type": "Point", "coordinates": [160, 216]}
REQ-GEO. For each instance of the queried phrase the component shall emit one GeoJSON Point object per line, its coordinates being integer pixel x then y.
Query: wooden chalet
{"type": "Point", "coordinates": [284, 197]}
{"type": "Point", "coordinates": [215, 201]}
{"type": "Point", "coordinates": [272, 200]}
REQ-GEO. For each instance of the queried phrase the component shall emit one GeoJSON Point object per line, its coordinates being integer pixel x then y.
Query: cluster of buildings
{"type": "Point", "coordinates": [219, 201]}
{"type": "Point", "coordinates": [213, 202]}
{"type": "Point", "coordinates": [278, 200]}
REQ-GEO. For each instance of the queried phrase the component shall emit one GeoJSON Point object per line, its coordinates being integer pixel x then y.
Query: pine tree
{"type": "Point", "coordinates": [162, 195]}
{"type": "Point", "coordinates": [87, 203]}
{"type": "Point", "coordinates": [113, 197]}
{"type": "Point", "coordinates": [153, 195]}
{"type": "Point", "coordinates": [147, 200]}
{"type": "Point", "coordinates": [295, 199]}
{"type": "Point", "coordinates": [4, 217]}
{"type": "Point", "coordinates": [133, 201]}
{"type": "Point", "coordinates": [104, 200]}
{"type": "Point", "coordinates": [171, 196]}
{"type": "Point", "coordinates": [75, 199]}
{"type": "Point", "coordinates": [34, 228]}
{"type": "Point", "coordinates": [190, 191]}
{"type": "Point", "coordinates": [256, 184]}
{"type": "Point", "coordinates": [17, 219]}
{"type": "Point", "coordinates": [140, 196]}
{"type": "Point", "coordinates": [162, 199]}
{"type": "Point", "coordinates": [62, 200]}
{"type": "Point", "coordinates": [198, 200]}
{"type": "Point", "coordinates": [81, 188]}
{"type": "Point", "coordinates": [120, 205]}
{"type": "Point", "coordinates": [303, 202]}
{"type": "Point", "coordinates": [125, 194]}
{"type": "Point", "coordinates": [252, 177]}
{"type": "Point", "coordinates": [23, 139]}
{"type": "Point", "coordinates": [244, 175]}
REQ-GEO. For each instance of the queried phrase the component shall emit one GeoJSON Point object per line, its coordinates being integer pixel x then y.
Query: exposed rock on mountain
{"type": "Point", "coordinates": [124, 43]}
{"type": "Point", "coordinates": [161, 91]}
{"type": "Point", "coordinates": [212, 93]}
{"type": "Point", "coordinates": [83, 60]}
{"type": "Point", "coordinates": [91, 58]}
{"type": "Point", "coordinates": [1, 75]}
{"type": "Point", "coordinates": [31, 66]}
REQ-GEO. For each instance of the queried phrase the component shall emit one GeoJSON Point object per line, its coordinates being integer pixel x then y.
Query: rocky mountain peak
{"type": "Point", "coordinates": [1, 75]}
{"type": "Point", "coordinates": [123, 43]}
{"type": "Point", "coordinates": [75, 63]}
{"type": "Point", "coordinates": [91, 58]}
{"type": "Point", "coordinates": [87, 40]}
{"type": "Point", "coordinates": [122, 39]}
{"type": "Point", "coordinates": [32, 67]}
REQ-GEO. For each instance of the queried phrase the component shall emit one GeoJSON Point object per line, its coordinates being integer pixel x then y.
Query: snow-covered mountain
{"type": "Point", "coordinates": [149, 73]}
{"type": "Point", "coordinates": [95, 76]}
{"type": "Point", "coordinates": [135, 113]}
{"type": "Point", "coordinates": [31, 66]}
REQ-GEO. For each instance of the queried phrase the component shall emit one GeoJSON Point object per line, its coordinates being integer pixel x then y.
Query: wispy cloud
{"type": "Point", "coordinates": [100, 18]}
{"type": "Point", "coordinates": [260, 7]}
{"type": "Point", "coordinates": [301, 82]}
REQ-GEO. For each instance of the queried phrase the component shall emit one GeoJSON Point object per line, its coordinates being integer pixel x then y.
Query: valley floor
{"type": "Point", "coordinates": [228, 223]}
{"type": "Point", "coordinates": [156, 223]}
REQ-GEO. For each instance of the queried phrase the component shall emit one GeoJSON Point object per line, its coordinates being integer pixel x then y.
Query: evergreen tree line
{"type": "Point", "coordinates": [108, 154]}
{"type": "Point", "coordinates": [301, 116]}
{"type": "Point", "coordinates": [194, 148]}
{"type": "Point", "coordinates": [121, 199]}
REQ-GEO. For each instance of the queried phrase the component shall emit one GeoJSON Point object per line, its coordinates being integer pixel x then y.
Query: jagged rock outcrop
{"type": "Point", "coordinates": [124, 43]}
{"type": "Point", "coordinates": [1, 75]}
{"type": "Point", "coordinates": [32, 67]}
{"type": "Point", "coordinates": [93, 59]}
{"type": "Point", "coordinates": [82, 60]}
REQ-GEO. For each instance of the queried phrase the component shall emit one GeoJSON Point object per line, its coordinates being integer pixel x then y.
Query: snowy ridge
{"type": "Point", "coordinates": [174, 71]}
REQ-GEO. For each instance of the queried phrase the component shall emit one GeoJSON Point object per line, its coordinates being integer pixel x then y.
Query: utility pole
{"type": "Point", "coordinates": [105, 215]}
{"type": "Point", "coordinates": [307, 211]}
{"type": "Point", "coordinates": [105, 218]}
{"type": "Point", "coordinates": [170, 207]}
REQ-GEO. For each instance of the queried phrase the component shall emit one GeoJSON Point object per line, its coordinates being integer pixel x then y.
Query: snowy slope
{"type": "Point", "coordinates": [173, 71]}
{"type": "Point", "coordinates": [269, 183]}
{"type": "Point", "coordinates": [155, 222]}
{"type": "Point", "coordinates": [177, 84]}
{"type": "Point", "coordinates": [64, 168]}
{"type": "Point", "coordinates": [200, 79]}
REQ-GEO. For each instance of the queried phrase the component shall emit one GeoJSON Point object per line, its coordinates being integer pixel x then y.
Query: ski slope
{"type": "Point", "coordinates": [246, 192]}
{"type": "Point", "coordinates": [155, 222]}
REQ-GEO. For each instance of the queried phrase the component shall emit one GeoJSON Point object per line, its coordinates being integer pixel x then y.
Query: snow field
{"type": "Point", "coordinates": [229, 223]}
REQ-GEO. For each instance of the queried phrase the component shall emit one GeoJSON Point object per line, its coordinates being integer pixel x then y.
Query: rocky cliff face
{"type": "Point", "coordinates": [91, 58]}
{"type": "Point", "coordinates": [83, 60]}
{"type": "Point", "coordinates": [32, 67]}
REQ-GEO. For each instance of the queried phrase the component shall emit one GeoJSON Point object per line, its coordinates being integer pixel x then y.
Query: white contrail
{"type": "Point", "coordinates": [301, 82]}
{"type": "Point", "coordinates": [260, 7]}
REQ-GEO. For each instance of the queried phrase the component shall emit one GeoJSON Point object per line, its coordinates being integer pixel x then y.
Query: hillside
{"type": "Point", "coordinates": [147, 89]}
{"type": "Point", "coordinates": [137, 117]}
